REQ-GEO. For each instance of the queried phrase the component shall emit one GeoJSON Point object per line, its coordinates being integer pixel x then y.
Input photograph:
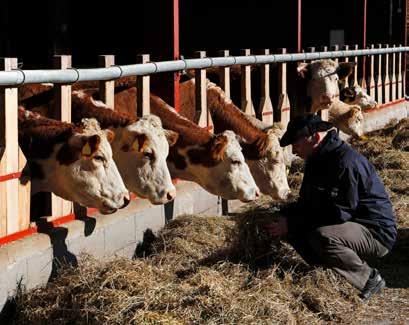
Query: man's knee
{"type": "Point", "coordinates": [322, 240]}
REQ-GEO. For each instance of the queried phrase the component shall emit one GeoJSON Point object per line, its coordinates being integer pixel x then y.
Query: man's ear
{"type": "Point", "coordinates": [316, 137]}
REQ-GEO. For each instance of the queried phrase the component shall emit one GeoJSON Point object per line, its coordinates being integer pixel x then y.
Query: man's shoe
{"type": "Point", "coordinates": [374, 284]}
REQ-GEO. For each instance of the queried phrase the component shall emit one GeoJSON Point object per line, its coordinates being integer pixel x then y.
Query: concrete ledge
{"type": "Point", "coordinates": [377, 119]}
{"type": "Point", "coordinates": [33, 260]}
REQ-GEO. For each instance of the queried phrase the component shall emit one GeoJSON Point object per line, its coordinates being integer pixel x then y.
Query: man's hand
{"type": "Point", "coordinates": [278, 228]}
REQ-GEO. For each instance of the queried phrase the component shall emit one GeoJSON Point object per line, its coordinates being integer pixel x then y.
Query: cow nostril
{"type": "Point", "coordinates": [171, 195]}
{"type": "Point", "coordinates": [257, 193]}
{"type": "Point", "coordinates": [126, 202]}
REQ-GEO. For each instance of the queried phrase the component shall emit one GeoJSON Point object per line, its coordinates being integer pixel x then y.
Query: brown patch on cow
{"type": "Point", "coordinates": [347, 94]}
{"type": "Point", "coordinates": [176, 158]}
{"type": "Point", "coordinates": [110, 135]}
{"type": "Point", "coordinates": [171, 137]}
{"type": "Point", "coordinates": [256, 150]}
{"type": "Point", "coordinates": [38, 135]}
{"type": "Point", "coordinates": [35, 170]}
{"type": "Point", "coordinates": [139, 143]}
{"type": "Point", "coordinates": [30, 90]}
{"type": "Point", "coordinates": [84, 106]}
{"type": "Point", "coordinates": [189, 132]}
{"type": "Point", "coordinates": [227, 116]}
{"type": "Point", "coordinates": [345, 69]}
{"type": "Point", "coordinates": [210, 154]}
{"type": "Point", "coordinates": [86, 147]}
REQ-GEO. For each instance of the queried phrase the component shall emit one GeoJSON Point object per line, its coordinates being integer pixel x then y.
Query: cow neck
{"type": "Point", "coordinates": [38, 135]}
{"type": "Point", "coordinates": [189, 132]}
{"type": "Point", "coordinates": [85, 107]}
{"type": "Point", "coordinates": [229, 117]}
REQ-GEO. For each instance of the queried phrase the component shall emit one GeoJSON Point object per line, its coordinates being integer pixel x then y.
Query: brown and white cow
{"type": "Point", "coordinates": [348, 118]}
{"type": "Point", "coordinates": [310, 86]}
{"type": "Point", "coordinates": [261, 149]}
{"type": "Point", "coordinates": [356, 95]}
{"type": "Point", "coordinates": [215, 162]}
{"type": "Point", "coordinates": [140, 146]}
{"type": "Point", "coordinates": [316, 86]}
{"type": "Point", "coordinates": [73, 162]}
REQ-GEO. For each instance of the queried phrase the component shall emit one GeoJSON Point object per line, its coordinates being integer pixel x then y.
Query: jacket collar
{"type": "Point", "coordinates": [330, 143]}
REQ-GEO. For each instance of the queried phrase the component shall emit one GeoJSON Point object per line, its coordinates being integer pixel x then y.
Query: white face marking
{"type": "Point", "coordinates": [91, 181]}
{"type": "Point", "coordinates": [230, 178]}
{"type": "Point", "coordinates": [145, 171]}
{"type": "Point", "coordinates": [323, 87]}
{"type": "Point", "coordinates": [270, 171]}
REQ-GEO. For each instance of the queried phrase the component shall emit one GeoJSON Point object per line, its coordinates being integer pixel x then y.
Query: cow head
{"type": "Point", "coordinates": [140, 151]}
{"type": "Point", "coordinates": [74, 163]}
{"type": "Point", "coordinates": [349, 120]}
{"type": "Point", "coordinates": [355, 95]}
{"type": "Point", "coordinates": [267, 163]}
{"type": "Point", "coordinates": [322, 80]}
{"type": "Point", "coordinates": [218, 166]}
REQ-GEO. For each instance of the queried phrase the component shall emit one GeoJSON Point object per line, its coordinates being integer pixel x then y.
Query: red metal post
{"type": "Point", "coordinates": [176, 53]}
{"type": "Point", "coordinates": [364, 45]}
{"type": "Point", "coordinates": [299, 27]}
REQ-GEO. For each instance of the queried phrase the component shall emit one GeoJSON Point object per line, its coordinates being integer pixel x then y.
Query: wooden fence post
{"type": "Point", "coordinates": [224, 75]}
{"type": "Point", "coordinates": [265, 111]}
{"type": "Point", "coordinates": [400, 84]}
{"type": "Point", "coordinates": [346, 59]}
{"type": "Point", "coordinates": [371, 86]}
{"type": "Point", "coordinates": [14, 196]}
{"type": "Point", "coordinates": [62, 112]}
{"type": "Point", "coordinates": [142, 90]}
{"type": "Point", "coordinates": [393, 77]}
{"type": "Point", "coordinates": [107, 88]}
{"type": "Point", "coordinates": [246, 102]}
{"type": "Point", "coordinates": [379, 95]}
{"type": "Point", "coordinates": [283, 100]}
{"type": "Point", "coordinates": [202, 118]}
{"type": "Point", "coordinates": [386, 80]}
{"type": "Point", "coordinates": [355, 74]}
{"type": "Point", "coordinates": [324, 112]}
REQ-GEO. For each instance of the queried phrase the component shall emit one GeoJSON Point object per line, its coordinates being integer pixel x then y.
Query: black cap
{"type": "Point", "coordinates": [305, 125]}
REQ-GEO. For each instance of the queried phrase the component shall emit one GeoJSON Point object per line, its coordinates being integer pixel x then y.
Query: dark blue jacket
{"type": "Point", "coordinates": [341, 185]}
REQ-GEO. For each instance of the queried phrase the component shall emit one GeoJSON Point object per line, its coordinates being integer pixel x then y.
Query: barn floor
{"type": "Point", "coordinates": [204, 269]}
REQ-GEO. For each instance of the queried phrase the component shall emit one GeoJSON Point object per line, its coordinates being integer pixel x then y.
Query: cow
{"type": "Point", "coordinates": [214, 161]}
{"type": "Point", "coordinates": [310, 86]}
{"type": "Point", "coordinates": [261, 149]}
{"type": "Point", "coordinates": [348, 118]}
{"type": "Point", "coordinates": [356, 95]}
{"type": "Point", "coordinates": [140, 146]}
{"type": "Point", "coordinates": [74, 162]}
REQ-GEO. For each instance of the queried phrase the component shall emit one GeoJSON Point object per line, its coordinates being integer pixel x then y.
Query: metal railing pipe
{"type": "Point", "coordinates": [18, 77]}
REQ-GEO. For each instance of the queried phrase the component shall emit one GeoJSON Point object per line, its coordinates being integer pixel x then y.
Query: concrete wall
{"type": "Point", "coordinates": [31, 261]}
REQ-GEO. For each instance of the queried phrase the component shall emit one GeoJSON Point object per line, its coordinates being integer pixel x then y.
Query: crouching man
{"type": "Point", "coordinates": [343, 213]}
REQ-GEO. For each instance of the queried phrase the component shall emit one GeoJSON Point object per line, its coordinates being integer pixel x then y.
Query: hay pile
{"type": "Point", "coordinates": [213, 270]}
{"type": "Point", "coordinates": [201, 271]}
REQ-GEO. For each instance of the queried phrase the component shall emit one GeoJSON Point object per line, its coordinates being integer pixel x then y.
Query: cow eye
{"type": "Point", "coordinates": [99, 158]}
{"type": "Point", "coordinates": [236, 162]}
{"type": "Point", "coordinates": [149, 155]}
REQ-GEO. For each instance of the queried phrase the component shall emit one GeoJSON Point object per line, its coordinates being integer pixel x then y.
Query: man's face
{"type": "Point", "coordinates": [303, 147]}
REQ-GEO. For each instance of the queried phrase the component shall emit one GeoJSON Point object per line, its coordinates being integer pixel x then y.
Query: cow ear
{"type": "Point", "coordinates": [140, 143]}
{"type": "Point", "coordinates": [303, 70]}
{"type": "Point", "coordinates": [110, 135]}
{"type": "Point", "coordinates": [172, 137]}
{"type": "Point", "coordinates": [345, 69]}
{"type": "Point", "coordinates": [218, 147]}
{"type": "Point", "coordinates": [348, 92]}
{"type": "Point", "coordinates": [90, 145]}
